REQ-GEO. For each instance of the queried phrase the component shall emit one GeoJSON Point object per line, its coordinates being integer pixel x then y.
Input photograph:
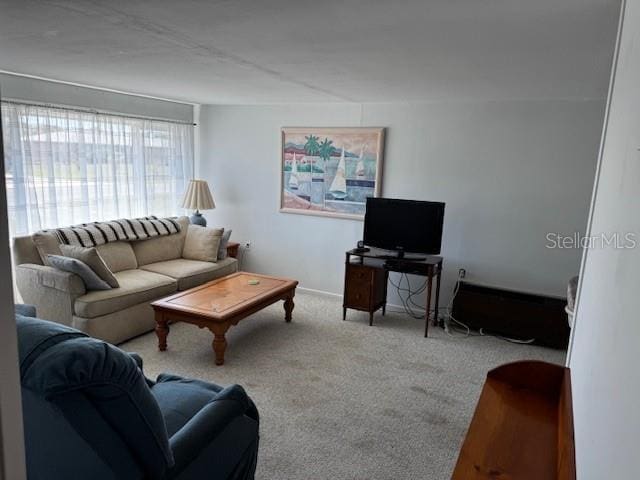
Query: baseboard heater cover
{"type": "Point", "coordinates": [513, 314]}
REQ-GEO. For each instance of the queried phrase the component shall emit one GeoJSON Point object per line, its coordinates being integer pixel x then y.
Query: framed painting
{"type": "Point", "coordinates": [330, 171]}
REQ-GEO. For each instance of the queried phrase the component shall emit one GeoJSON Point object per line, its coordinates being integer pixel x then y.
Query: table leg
{"type": "Point", "coordinates": [219, 343]}
{"type": "Point", "coordinates": [386, 283]}
{"type": "Point", "coordinates": [219, 346]}
{"type": "Point", "coordinates": [162, 330]}
{"type": "Point", "coordinates": [426, 319]}
{"type": "Point", "coordinates": [344, 290]}
{"type": "Point", "coordinates": [435, 320]}
{"type": "Point", "coordinates": [288, 307]}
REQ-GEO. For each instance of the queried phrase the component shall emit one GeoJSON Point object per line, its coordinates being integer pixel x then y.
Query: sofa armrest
{"type": "Point", "coordinates": [45, 276]}
{"type": "Point", "coordinates": [231, 408]}
{"type": "Point", "coordinates": [50, 290]}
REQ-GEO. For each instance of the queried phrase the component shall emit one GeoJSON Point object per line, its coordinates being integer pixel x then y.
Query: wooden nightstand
{"type": "Point", "coordinates": [365, 288]}
{"type": "Point", "coordinates": [232, 249]}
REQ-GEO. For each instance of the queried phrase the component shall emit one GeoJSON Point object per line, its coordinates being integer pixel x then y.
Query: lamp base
{"type": "Point", "coordinates": [198, 219]}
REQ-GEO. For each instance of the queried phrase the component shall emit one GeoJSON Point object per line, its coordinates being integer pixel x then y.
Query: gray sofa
{"type": "Point", "coordinates": [145, 269]}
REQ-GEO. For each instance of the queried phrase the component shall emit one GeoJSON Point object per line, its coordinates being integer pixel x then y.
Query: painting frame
{"type": "Point", "coordinates": [379, 133]}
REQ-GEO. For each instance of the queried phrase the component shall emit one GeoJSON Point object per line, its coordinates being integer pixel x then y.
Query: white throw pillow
{"type": "Point", "coordinates": [202, 243]}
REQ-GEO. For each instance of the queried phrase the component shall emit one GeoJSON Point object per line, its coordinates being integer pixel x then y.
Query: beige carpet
{"type": "Point", "coordinates": [342, 400]}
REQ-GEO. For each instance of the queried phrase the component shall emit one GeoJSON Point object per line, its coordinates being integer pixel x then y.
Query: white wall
{"type": "Point", "coordinates": [605, 349]}
{"type": "Point", "coordinates": [509, 173]}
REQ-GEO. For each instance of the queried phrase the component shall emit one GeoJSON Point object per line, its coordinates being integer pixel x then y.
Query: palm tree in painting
{"type": "Point", "coordinates": [326, 149]}
{"type": "Point", "coordinates": [312, 147]}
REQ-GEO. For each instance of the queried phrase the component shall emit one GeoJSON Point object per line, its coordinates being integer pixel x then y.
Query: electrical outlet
{"type": "Point", "coordinates": [462, 273]}
{"type": "Point", "coordinates": [247, 245]}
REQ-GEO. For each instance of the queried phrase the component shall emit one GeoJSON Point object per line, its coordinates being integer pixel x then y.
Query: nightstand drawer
{"type": "Point", "coordinates": [358, 296]}
{"type": "Point", "coordinates": [360, 275]}
{"type": "Point", "coordinates": [359, 282]}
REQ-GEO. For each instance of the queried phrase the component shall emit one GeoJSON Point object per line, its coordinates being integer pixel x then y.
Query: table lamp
{"type": "Point", "coordinates": [198, 197]}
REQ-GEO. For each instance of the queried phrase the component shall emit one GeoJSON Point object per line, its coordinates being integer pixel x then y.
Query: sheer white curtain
{"type": "Point", "coordinates": [65, 167]}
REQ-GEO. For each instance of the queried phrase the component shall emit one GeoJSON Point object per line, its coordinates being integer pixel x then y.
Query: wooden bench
{"type": "Point", "coordinates": [523, 426]}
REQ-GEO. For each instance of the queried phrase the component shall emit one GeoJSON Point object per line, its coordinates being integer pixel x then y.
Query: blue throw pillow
{"type": "Point", "coordinates": [91, 280]}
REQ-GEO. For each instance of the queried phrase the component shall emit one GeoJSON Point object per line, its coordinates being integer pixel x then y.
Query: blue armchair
{"type": "Point", "coordinates": [89, 412]}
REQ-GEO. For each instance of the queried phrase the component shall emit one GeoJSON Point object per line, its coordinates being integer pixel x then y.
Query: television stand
{"type": "Point", "coordinates": [367, 274]}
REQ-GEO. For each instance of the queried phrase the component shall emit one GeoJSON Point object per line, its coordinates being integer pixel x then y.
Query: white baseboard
{"type": "Point", "coordinates": [320, 293]}
{"type": "Point", "coordinates": [392, 307]}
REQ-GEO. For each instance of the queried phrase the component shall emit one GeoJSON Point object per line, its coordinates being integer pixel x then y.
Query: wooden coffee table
{"type": "Point", "coordinates": [219, 304]}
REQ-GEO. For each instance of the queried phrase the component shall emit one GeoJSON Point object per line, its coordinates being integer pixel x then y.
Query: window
{"type": "Point", "coordinates": [65, 166]}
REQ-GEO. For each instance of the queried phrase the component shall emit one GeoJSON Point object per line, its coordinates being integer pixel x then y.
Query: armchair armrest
{"type": "Point", "coordinates": [51, 291]}
{"type": "Point", "coordinates": [138, 359]}
{"type": "Point", "coordinates": [230, 405]}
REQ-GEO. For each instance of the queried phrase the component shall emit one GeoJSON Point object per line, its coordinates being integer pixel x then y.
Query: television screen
{"type": "Point", "coordinates": [411, 225]}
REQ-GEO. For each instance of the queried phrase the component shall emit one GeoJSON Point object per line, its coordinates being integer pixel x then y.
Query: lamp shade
{"type": "Point", "coordinates": [198, 196]}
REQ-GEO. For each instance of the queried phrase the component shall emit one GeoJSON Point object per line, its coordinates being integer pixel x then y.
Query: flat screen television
{"type": "Point", "coordinates": [404, 225]}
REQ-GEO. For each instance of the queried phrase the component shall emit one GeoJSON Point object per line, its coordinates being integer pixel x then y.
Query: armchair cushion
{"type": "Point", "coordinates": [180, 399]}
{"type": "Point", "coordinates": [200, 415]}
{"type": "Point", "coordinates": [36, 336]}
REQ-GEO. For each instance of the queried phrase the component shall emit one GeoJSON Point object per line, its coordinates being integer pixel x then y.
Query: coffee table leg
{"type": "Point", "coordinates": [219, 343]}
{"type": "Point", "coordinates": [162, 330]}
{"type": "Point", "coordinates": [219, 346]}
{"type": "Point", "coordinates": [288, 307]}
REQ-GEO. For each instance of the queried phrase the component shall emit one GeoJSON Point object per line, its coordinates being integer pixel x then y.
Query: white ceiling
{"type": "Point", "coordinates": [243, 51]}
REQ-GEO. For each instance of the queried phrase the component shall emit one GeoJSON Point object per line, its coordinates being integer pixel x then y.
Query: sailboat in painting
{"type": "Point", "coordinates": [339, 185]}
{"type": "Point", "coordinates": [360, 170]}
{"type": "Point", "coordinates": [293, 178]}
